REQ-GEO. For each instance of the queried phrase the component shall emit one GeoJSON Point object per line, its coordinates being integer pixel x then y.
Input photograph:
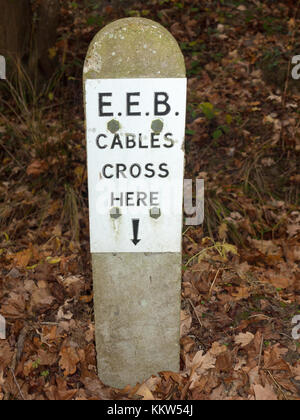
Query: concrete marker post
{"type": "Point", "coordinates": [136, 249]}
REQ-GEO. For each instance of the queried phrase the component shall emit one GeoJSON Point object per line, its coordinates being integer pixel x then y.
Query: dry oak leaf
{"type": "Point", "coordinates": [242, 293]}
{"type": "Point", "coordinates": [6, 354]}
{"type": "Point", "coordinates": [153, 382]}
{"type": "Point", "coordinates": [206, 383]}
{"type": "Point", "coordinates": [68, 360]}
{"type": "Point", "coordinates": [240, 363]}
{"type": "Point", "coordinates": [217, 349]}
{"type": "Point", "coordinates": [22, 258]}
{"type": "Point", "coordinates": [96, 390]}
{"type": "Point", "coordinates": [90, 333]}
{"type": "Point", "coordinates": [74, 285]}
{"type": "Point", "coordinates": [254, 376]}
{"type": "Point", "coordinates": [202, 362]}
{"type": "Point", "coordinates": [61, 391]}
{"type": "Point", "coordinates": [145, 392]}
{"type": "Point", "coordinates": [199, 365]}
{"type": "Point", "coordinates": [296, 371]}
{"type": "Point", "coordinates": [46, 358]}
{"type": "Point", "coordinates": [224, 362]}
{"type": "Point", "coordinates": [244, 339]}
{"type": "Point", "coordinates": [242, 270]}
{"type": "Point", "coordinates": [282, 281]}
{"type": "Point", "coordinates": [264, 393]}
{"type": "Point", "coordinates": [14, 306]}
{"type": "Point", "coordinates": [266, 247]}
{"type": "Point", "coordinates": [37, 167]}
{"type": "Point", "coordinates": [185, 323]}
{"type": "Point", "coordinates": [273, 359]}
{"type": "Point", "coordinates": [49, 334]}
{"type": "Point", "coordinates": [41, 300]}
{"type": "Point", "coordinates": [293, 229]}
{"type": "Point", "coordinates": [28, 367]}
{"type": "Point", "coordinates": [219, 394]}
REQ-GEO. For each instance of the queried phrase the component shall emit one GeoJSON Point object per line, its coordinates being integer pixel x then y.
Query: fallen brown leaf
{"type": "Point", "coordinates": [68, 360]}
{"type": "Point", "coordinates": [264, 393]}
{"type": "Point", "coordinates": [37, 167]}
{"type": "Point", "coordinates": [244, 339]}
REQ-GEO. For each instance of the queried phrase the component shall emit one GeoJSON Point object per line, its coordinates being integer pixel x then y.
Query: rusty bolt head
{"type": "Point", "coordinates": [115, 213]}
{"type": "Point", "coordinates": [155, 213]}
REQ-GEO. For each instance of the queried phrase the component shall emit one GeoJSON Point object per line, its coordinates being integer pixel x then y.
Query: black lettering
{"type": "Point", "coordinates": [103, 104]}
{"type": "Point", "coordinates": [118, 199]}
{"type": "Point", "coordinates": [104, 171]}
{"type": "Point", "coordinates": [129, 198]}
{"type": "Point", "coordinates": [148, 168]}
{"type": "Point", "coordinates": [141, 146]}
{"type": "Point", "coordinates": [154, 140]}
{"type": "Point", "coordinates": [167, 138]}
{"type": "Point", "coordinates": [132, 170]}
{"type": "Point", "coordinates": [121, 168]}
{"type": "Point", "coordinates": [141, 198]}
{"type": "Point", "coordinates": [130, 141]}
{"type": "Point", "coordinates": [116, 142]}
{"type": "Point", "coordinates": [162, 168]}
{"type": "Point", "coordinates": [131, 104]}
{"type": "Point", "coordinates": [98, 141]}
{"type": "Point", "coordinates": [164, 102]}
{"type": "Point", "coordinates": [153, 197]}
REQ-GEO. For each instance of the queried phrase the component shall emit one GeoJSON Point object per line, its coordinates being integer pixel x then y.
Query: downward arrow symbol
{"type": "Point", "coordinates": [135, 226]}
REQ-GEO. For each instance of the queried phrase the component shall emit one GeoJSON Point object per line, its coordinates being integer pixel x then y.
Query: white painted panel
{"type": "Point", "coordinates": [154, 163]}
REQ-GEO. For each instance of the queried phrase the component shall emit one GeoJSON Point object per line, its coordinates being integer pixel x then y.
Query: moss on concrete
{"type": "Point", "coordinates": [134, 48]}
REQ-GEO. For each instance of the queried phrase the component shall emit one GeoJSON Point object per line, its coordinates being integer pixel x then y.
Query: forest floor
{"type": "Point", "coordinates": [241, 283]}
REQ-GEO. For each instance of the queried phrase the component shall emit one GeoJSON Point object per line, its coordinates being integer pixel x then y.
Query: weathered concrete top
{"type": "Point", "coordinates": [134, 48]}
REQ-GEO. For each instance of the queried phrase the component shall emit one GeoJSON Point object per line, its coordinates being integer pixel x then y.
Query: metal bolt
{"type": "Point", "coordinates": [157, 126]}
{"type": "Point", "coordinates": [113, 126]}
{"type": "Point", "coordinates": [115, 213]}
{"type": "Point", "coordinates": [155, 213]}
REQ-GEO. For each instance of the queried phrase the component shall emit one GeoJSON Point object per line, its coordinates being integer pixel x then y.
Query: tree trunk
{"type": "Point", "coordinates": [45, 38]}
{"type": "Point", "coordinates": [15, 27]}
{"type": "Point", "coordinates": [27, 34]}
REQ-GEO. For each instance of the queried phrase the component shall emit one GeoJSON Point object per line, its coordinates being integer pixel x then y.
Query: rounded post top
{"type": "Point", "coordinates": [134, 48]}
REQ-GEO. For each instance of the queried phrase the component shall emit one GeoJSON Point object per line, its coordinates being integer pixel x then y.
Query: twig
{"type": "Point", "coordinates": [260, 352]}
{"type": "Point", "coordinates": [18, 386]}
{"type": "Point", "coordinates": [213, 284]}
{"type": "Point", "coordinates": [198, 254]}
{"type": "Point", "coordinates": [12, 156]}
{"type": "Point", "coordinates": [287, 336]}
{"type": "Point", "coordinates": [277, 385]}
{"type": "Point", "coordinates": [19, 348]}
{"type": "Point", "coordinates": [192, 305]}
{"type": "Point", "coordinates": [185, 390]}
